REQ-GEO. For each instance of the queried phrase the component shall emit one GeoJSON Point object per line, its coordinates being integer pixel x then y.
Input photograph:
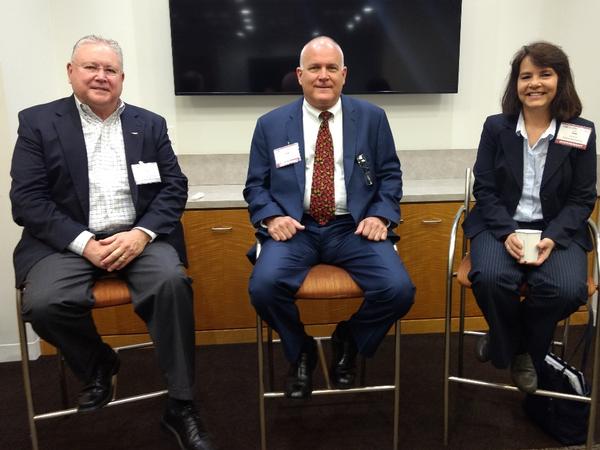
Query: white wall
{"type": "Point", "coordinates": [36, 37]}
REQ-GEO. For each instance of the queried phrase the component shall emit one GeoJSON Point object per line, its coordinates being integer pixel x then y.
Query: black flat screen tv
{"type": "Point", "coordinates": [252, 46]}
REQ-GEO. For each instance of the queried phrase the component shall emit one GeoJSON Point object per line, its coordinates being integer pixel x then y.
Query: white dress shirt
{"type": "Point", "coordinates": [311, 123]}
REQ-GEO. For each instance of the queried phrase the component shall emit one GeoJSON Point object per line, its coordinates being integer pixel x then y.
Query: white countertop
{"type": "Point", "coordinates": [415, 191]}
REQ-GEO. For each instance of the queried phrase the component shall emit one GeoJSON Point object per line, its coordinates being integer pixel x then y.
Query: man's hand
{"type": "Point", "coordinates": [372, 228]}
{"type": "Point", "coordinates": [122, 248]}
{"type": "Point", "coordinates": [282, 228]}
{"type": "Point", "coordinates": [95, 252]}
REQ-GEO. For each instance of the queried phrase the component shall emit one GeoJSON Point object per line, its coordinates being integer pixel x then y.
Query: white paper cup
{"type": "Point", "coordinates": [530, 239]}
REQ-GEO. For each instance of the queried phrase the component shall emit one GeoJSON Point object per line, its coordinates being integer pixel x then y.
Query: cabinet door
{"type": "Point", "coordinates": [217, 242]}
{"type": "Point", "coordinates": [423, 247]}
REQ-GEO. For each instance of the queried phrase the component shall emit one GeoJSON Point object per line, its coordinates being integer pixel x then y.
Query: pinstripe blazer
{"type": "Point", "coordinates": [567, 192]}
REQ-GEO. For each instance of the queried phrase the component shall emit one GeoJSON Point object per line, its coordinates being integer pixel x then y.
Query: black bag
{"type": "Point", "coordinates": [565, 420]}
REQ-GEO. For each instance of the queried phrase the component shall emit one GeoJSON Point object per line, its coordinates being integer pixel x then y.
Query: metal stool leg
{"type": "Point", "coordinates": [270, 359]}
{"type": "Point", "coordinates": [594, 389]}
{"type": "Point", "coordinates": [261, 385]}
{"type": "Point", "coordinates": [26, 374]}
{"type": "Point", "coordinates": [396, 384]}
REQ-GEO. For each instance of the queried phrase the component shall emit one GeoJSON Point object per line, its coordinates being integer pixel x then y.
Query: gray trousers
{"type": "Point", "coordinates": [57, 301]}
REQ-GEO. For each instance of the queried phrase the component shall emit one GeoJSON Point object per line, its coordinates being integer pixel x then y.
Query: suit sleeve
{"type": "Point", "coordinates": [580, 199]}
{"type": "Point", "coordinates": [257, 190]}
{"type": "Point", "coordinates": [163, 212]}
{"type": "Point", "coordinates": [386, 201]}
{"type": "Point", "coordinates": [31, 195]}
{"type": "Point", "coordinates": [489, 205]}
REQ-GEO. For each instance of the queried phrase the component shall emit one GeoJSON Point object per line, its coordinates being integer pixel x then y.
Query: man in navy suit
{"type": "Point", "coordinates": [354, 232]}
{"type": "Point", "coordinates": [98, 189]}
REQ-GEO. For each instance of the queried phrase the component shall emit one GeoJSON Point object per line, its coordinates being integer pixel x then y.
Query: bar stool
{"type": "Point", "coordinates": [108, 292]}
{"type": "Point", "coordinates": [461, 276]}
{"type": "Point", "coordinates": [325, 282]}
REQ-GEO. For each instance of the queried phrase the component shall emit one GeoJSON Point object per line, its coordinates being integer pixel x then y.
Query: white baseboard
{"type": "Point", "coordinates": [12, 352]}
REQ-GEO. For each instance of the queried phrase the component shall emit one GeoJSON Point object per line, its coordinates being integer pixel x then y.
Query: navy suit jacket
{"type": "Point", "coordinates": [567, 192]}
{"type": "Point", "coordinates": [50, 185]}
{"type": "Point", "coordinates": [272, 191]}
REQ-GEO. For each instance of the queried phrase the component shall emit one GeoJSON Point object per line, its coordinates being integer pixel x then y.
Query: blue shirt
{"type": "Point", "coordinates": [529, 208]}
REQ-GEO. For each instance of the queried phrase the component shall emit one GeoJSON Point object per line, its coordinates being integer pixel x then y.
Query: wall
{"type": "Point", "coordinates": [36, 37]}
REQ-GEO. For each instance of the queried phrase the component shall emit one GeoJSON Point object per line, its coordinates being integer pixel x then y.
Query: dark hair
{"type": "Point", "coordinates": [566, 104]}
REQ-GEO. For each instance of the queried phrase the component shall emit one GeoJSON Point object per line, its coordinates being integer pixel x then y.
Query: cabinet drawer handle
{"type": "Point", "coordinates": [221, 229]}
{"type": "Point", "coordinates": [431, 221]}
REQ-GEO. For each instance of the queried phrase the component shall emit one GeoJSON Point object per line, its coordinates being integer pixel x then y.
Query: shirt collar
{"type": "Point", "coordinates": [522, 131]}
{"type": "Point", "coordinates": [86, 111]}
{"type": "Point", "coordinates": [314, 112]}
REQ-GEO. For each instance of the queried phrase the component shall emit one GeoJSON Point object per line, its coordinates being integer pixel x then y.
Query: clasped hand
{"type": "Point", "coordinates": [116, 251]}
{"type": "Point", "coordinates": [514, 247]}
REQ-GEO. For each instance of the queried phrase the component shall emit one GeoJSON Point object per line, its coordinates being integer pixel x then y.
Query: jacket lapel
{"type": "Point", "coordinates": [349, 130]}
{"type": "Point", "coordinates": [70, 135]}
{"type": "Point", "coordinates": [133, 140]}
{"type": "Point", "coordinates": [554, 158]}
{"type": "Point", "coordinates": [513, 151]}
{"type": "Point", "coordinates": [295, 133]}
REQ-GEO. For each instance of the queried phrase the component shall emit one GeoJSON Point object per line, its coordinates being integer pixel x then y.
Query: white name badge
{"type": "Point", "coordinates": [573, 135]}
{"type": "Point", "coordinates": [286, 155]}
{"type": "Point", "coordinates": [145, 173]}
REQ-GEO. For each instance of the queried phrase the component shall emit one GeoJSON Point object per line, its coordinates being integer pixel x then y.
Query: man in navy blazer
{"type": "Point", "coordinates": [97, 189]}
{"type": "Point", "coordinates": [357, 234]}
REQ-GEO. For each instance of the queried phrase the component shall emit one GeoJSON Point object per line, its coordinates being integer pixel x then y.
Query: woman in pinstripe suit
{"type": "Point", "coordinates": [531, 173]}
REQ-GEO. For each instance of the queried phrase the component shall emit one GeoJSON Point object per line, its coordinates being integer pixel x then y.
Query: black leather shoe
{"type": "Point", "coordinates": [99, 390]}
{"type": "Point", "coordinates": [298, 384]}
{"type": "Point", "coordinates": [523, 374]}
{"type": "Point", "coordinates": [343, 362]}
{"type": "Point", "coordinates": [182, 420]}
{"type": "Point", "coordinates": [482, 348]}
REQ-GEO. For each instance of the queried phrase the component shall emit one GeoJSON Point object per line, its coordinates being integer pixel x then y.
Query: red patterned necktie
{"type": "Point", "coordinates": [322, 199]}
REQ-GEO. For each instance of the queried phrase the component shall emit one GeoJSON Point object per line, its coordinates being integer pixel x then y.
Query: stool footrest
{"type": "Point", "coordinates": [509, 387]}
{"type": "Point", "coordinates": [383, 387]}
{"type": "Point", "coordinates": [119, 401]}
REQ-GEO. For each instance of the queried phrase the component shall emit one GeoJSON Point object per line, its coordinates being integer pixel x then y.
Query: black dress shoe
{"type": "Point", "coordinates": [482, 348]}
{"type": "Point", "coordinates": [298, 384]}
{"type": "Point", "coordinates": [182, 420]}
{"type": "Point", "coordinates": [99, 390]}
{"type": "Point", "coordinates": [343, 363]}
{"type": "Point", "coordinates": [523, 374]}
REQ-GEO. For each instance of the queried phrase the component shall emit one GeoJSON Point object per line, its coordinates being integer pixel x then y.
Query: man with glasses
{"type": "Point", "coordinates": [98, 189]}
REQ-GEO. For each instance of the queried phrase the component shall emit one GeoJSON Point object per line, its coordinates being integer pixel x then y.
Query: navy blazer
{"type": "Point", "coordinates": [272, 191]}
{"type": "Point", "coordinates": [567, 192]}
{"type": "Point", "coordinates": [50, 185]}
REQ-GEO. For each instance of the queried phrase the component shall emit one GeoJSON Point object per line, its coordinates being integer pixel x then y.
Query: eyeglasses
{"type": "Point", "coordinates": [94, 69]}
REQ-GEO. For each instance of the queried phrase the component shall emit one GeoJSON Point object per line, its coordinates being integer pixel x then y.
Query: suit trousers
{"type": "Point", "coordinates": [375, 266]}
{"type": "Point", "coordinates": [556, 289]}
{"type": "Point", "coordinates": [57, 300]}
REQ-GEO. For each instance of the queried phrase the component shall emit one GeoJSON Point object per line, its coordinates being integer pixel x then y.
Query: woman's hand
{"type": "Point", "coordinates": [545, 247]}
{"type": "Point", "coordinates": [514, 247]}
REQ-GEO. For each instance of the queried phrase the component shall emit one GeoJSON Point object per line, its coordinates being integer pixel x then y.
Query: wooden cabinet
{"type": "Point", "coordinates": [217, 242]}
{"type": "Point", "coordinates": [423, 247]}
